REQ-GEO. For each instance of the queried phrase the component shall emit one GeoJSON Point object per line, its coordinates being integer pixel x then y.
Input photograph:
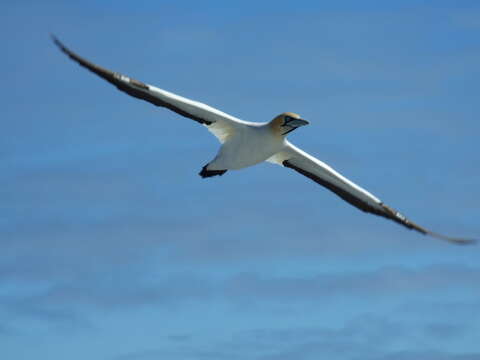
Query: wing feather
{"type": "Point", "coordinates": [224, 124]}
{"type": "Point", "coordinates": [307, 165]}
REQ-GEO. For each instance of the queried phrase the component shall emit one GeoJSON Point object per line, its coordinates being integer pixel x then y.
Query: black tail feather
{"type": "Point", "coordinates": [209, 173]}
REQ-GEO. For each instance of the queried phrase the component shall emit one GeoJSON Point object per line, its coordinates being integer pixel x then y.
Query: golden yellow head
{"type": "Point", "coordinates": [286, 122]}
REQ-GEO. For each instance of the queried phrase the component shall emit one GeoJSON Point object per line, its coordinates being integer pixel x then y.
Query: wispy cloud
{"type": "Point", "coordinates": [120, 290]}
{"type": "Point", "coordinates": [367, 336]}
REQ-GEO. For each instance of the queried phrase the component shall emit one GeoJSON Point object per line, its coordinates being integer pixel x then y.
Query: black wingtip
{"type": "Point", "coordinates": [58, 43]}
{"type": "Point", "coordinates": [452, 240]}
{"type": "Point", "coordinates": [55, 40]}
{"type": "Point", "coordinates": [463, 241]}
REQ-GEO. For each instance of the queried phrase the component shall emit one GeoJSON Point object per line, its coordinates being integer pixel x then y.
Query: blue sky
{"type": "Point", "coordinates": [114, 248]}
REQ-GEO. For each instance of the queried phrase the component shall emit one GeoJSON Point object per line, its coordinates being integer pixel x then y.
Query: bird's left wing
{"type": "Point", "coordinates": [222, 125]}
{"type": "Point", "coordinates": [298, 160]}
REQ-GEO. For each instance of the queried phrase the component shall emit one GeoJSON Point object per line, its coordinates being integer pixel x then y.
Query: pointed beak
{"type": "Point", "coordinates": [297, 123]}
{"type": "Point", "coordinates": [293, 124]}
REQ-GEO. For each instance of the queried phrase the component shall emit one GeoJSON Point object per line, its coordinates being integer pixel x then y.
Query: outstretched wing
{"type": "Point", "coordinates": [219, 123]}
{"type": "Point", "coordinates": [298, 160]}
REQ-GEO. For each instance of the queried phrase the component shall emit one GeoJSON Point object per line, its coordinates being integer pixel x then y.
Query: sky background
{"type": "Point", "coordinates": [113, 248]}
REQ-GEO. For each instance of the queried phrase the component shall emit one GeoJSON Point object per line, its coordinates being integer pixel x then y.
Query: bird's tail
{"type": "Point", "coordinates": [205, 173]}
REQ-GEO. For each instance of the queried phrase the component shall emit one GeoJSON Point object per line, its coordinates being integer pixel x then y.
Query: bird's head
{"type": "Point", "coordinates": [287, 122]}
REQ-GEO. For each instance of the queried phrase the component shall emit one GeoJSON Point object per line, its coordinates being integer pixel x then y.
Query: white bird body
{"type": "Point", "coordinates": [247, 143]}
{"type": "Point", "coordinates": [250, 144]}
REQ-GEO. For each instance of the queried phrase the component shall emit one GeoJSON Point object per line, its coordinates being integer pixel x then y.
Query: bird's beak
{"type": "Point", "coordinates": [293, 124]}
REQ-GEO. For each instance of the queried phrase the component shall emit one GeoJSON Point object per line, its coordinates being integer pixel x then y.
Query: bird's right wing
{"type": "Point", "coordinates": [316, 170]}
{"type": "Point", "coordinates": [219, 123]}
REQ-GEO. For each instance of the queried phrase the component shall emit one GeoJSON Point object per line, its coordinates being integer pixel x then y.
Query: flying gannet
{"type": "Point", "coordinates": [248, 143]}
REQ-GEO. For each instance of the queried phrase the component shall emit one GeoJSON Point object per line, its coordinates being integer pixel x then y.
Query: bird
{"type": "Point", "coordinates": [245, 143]}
